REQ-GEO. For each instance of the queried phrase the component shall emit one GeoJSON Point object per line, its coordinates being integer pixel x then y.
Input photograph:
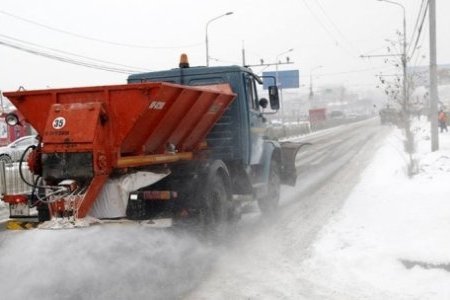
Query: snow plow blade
{"type": "Point", "coordinates": [289, 152]}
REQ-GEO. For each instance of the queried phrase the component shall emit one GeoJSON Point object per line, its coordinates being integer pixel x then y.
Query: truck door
{"type": "Point", "coordinates": [257, 121]}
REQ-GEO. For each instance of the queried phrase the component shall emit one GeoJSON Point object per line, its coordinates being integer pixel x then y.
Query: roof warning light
{"type": "Point", "coordinates": [184, 62]}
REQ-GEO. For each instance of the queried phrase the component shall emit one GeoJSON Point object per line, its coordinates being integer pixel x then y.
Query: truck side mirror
{"type": "Point", "coordinates": [273, 97]}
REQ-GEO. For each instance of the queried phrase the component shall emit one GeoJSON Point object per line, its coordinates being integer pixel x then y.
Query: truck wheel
{"type": "Point", "coordinates": [269, 202]}
{"type": "Point", "coordinates": [213, 214]}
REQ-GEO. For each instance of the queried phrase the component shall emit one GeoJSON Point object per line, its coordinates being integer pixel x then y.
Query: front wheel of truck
{"type": "Point", "coordinates": [268, 203]}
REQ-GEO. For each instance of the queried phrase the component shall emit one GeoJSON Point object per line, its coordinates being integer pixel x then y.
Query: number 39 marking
{"type": "Point", "coordinates": [59, 123]}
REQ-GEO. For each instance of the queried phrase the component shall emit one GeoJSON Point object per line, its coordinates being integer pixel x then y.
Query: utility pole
{"type": "Point", "coordinates": [280, 86]}
{"type": "Point", "coordinates": [243, 54]}
{"type": "Point", "coordinates": [433, 78]}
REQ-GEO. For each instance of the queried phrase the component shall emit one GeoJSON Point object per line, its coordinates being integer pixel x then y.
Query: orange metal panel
{"type": "Point", "coordinates": [89, 198]}
{"type": "Point", "coordinates": [174, 114]}
{"type": "Point", "coordinates": [206, 122]}
{"type": "Point", "coordinates": [151, 116]}
{"type": "Point", "coordinates": [64, 122]}
{"type": "Point", "coordinates": [128, 110]}
{"type": "Point", "coordinates": [187, 124]}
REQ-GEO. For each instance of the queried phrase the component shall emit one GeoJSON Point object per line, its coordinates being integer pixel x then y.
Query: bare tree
{"type": "Point", "coordinates": [398, 97]}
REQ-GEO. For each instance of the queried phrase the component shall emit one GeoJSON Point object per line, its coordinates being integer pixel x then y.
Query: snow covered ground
{"type": "Point", "coordinates": [391, 240]}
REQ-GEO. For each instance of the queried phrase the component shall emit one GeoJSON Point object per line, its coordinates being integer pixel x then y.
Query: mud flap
{"type": "Point", "coordinates": [289, 151]}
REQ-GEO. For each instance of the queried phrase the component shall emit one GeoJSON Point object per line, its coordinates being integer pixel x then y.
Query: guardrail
{"type": "Point", "coordinates": [302, 128]}
{"type": "Point", "coordinates": [288, 130]}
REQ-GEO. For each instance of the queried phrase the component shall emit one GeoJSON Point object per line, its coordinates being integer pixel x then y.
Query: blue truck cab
{"type": "Point", "coordinates": [255, 164]}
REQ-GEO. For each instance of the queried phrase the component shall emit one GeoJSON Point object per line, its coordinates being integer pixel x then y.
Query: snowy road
{"type": "Point", "coordinates": [261, 261]}
{"type": "Point", "coordinates": [264, 261]}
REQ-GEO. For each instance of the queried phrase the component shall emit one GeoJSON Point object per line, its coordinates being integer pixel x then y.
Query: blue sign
{"type": "Point", "coordinates": [286, 79]}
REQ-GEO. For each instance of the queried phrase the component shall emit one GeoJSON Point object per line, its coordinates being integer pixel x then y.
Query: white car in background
{"type": "Point", "coordinates": [13, 151]}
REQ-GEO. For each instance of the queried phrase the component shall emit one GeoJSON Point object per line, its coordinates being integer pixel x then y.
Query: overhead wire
{"type": "Point", "coordinates": [224, 61]}
{"type": "Point", "coordinates": [126, 69]}
{"type": "Point", "coordinates": [354, 71]}
{"type": "Point", "coordinates": [419, 30]}
{"type": "Point", "coordinates": [72, 54]}
{"type": "Point", "coordinates": [94, 63]}
{"type": "Point", "coordinates": [416, 32]}
{"type": "Point", "coordinates": [66, 59]}
{"type": "Point", "coordinates": [416, 24]}
{"type": "Point", "coordinates": [115, 43]}
{"type": "Point", "coordinates": [320, 22]}
{"type": "Point", "coordinates": [336, 28]}
{"type": "Point", "coordinates": [325, 28]}
{"type": "Point", "coordinates": [376, 50]}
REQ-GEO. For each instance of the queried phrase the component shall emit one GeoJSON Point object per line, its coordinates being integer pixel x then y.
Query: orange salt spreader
{"type": "Point", "coordinates": [88, 133]}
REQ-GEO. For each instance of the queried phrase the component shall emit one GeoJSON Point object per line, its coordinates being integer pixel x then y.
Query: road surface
{"type": "Point", "coordinates": [260, 261]}
{"type": "Point", "coordinates": [264, 261]}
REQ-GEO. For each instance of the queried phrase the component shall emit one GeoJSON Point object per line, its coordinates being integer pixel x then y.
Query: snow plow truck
{"type": "Point", "coordinates": [182, 144]}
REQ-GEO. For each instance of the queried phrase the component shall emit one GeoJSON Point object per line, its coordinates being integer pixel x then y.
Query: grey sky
{"type": "Point", "coordinates": [322, 32]}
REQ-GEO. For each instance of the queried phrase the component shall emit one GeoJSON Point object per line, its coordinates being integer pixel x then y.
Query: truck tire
{"type": "Point", "coordinates": [269, 202]}
{"type": "Point", "coordinates": [214, 210]}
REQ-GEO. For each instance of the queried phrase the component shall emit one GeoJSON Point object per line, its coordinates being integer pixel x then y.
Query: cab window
{"type": "Point", "coordinates": [206, 81]}
{"type": "Point", "coordinates": [250, 90]}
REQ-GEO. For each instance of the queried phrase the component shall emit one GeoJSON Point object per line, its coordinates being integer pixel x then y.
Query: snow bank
{"type": "Point", "coordinates": [391, 239]}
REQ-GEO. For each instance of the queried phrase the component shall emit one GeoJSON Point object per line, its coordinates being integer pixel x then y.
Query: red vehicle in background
{"type": "Point", "coordinates": [317, 118]}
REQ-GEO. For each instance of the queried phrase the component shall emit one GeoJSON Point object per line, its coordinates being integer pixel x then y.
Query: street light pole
{"type": "Point", "coordinates": [280, 87]}
{"type": "Point", "coordinates": [406, 122]}
{"type": "Point", "coordinates": [311, 93]}
{"type": "Point", "coordinates": [206, 35]}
